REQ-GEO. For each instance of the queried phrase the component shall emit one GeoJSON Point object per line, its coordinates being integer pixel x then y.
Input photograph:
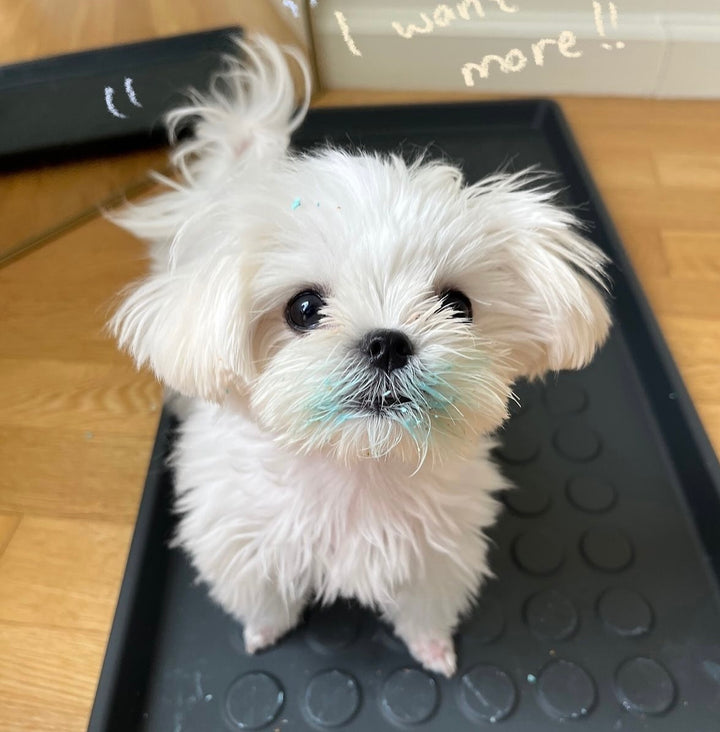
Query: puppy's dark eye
{"type": "Point", "coordinates": [303, 310]}
{"type": "Point", "coordinates": [458, 302]}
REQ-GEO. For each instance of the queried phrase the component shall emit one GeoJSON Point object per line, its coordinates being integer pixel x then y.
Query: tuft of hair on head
{"type": "Point", "coordinates": [183, 319]}
{"type": "Point", "coordinates": [248, 114]}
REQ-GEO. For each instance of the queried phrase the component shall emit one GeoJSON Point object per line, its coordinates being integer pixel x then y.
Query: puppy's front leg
{"type": "Point", "coordinates": [426, 612]}
{"type": "Point", "coordinates": [267, 615]}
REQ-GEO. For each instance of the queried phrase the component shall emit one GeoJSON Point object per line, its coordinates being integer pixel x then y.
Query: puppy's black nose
{"type": "Point", "coordinates": [387, 349]}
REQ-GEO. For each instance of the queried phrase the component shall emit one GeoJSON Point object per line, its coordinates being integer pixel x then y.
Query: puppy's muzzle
{"type": "Point", "coordinates": [387, 350]}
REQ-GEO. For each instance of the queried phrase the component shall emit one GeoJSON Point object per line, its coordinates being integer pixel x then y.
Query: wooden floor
{"type": "Point", "coordinates": [77, 422]}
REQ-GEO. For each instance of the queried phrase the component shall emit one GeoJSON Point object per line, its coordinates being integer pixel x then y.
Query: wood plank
{"type": "Point", "coordinates": [645, 114]}
{"type": "Point", "coordinates": [79, 275]}
{"type": "Point", "coordinates": [686, 297]}
{"type": "Point", "coordinates": [694, 345]}
{"type": "Point", "coordinates": [34, 28]}
{"type": "Point", "coordinates": [37, 200]}
{"type": "Point", "coordinates": [77, 396]}
{"type": "Point", "coordinates": [692, 254]}
{"type": "Point", "coordinates": [63, 573]}
{"type": "Point", "coordinates": [74, 473]}
{"type": "Point", "coordinates": [663, 207]}
{"type": "Point", "coordinates": [688, 171]}
{"type": "Point", "coordinates": [642, 242]}
{"type": "Point", "coordinates": [8, 523]}
{"type": "Point", "coordinates": [47, 677]}
{"type": "Point", "coordinates": [621, 168]}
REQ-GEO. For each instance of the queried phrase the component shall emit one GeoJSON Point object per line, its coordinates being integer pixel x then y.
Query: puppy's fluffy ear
{"type": "Point", "coordinates": [556, 317]}
{"type": "Point", "coordinates": [189, 320]}
{"type": "Point", "coordinates": [189, 324]}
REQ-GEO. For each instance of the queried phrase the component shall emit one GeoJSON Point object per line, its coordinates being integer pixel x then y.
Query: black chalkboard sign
{"type": "Point", "coordinates": [102, 101]}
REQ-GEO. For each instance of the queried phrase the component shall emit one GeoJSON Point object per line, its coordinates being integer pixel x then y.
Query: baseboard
{"type": "Point", "coordinates": [646, 54]}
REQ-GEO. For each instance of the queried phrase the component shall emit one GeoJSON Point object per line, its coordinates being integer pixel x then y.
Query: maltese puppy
{"type": "Point", "coordinates": [344, 329]}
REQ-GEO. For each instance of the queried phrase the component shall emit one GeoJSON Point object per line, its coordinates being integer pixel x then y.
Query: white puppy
{"type": "Point", "coordinates": [349, 327]}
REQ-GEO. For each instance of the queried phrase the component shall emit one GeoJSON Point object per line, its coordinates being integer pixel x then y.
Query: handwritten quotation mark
{"type": "Point", "coordinates": [110, 93]}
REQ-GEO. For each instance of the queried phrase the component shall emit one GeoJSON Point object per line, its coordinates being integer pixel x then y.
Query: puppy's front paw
{"type": "Point", "coordinates": [258, 637]}
{"type": "Point", "coordinates": [435, 654]}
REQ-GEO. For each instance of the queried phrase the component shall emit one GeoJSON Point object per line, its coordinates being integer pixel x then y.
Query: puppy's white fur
{"type": "Point", "coordinates": [287, 490]}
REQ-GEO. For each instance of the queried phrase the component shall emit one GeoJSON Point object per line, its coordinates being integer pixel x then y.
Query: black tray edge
{"type": "Point", "coordinates": [119, 646]}
{"type": "Point", "coordinates": [547, 113]}
{"type": "Point", "coordinates": [666, 390]}
{"type": "Point", "coordinates": [37, 72]}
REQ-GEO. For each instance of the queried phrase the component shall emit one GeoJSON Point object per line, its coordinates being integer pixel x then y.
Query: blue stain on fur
{"type": "Point", "coordinates": [427, 393]}
{"type": "Point", "coordinates": [295, 204]}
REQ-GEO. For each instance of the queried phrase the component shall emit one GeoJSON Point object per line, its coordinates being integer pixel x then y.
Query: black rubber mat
{"type": "Point", "coordinates": [605, 614]}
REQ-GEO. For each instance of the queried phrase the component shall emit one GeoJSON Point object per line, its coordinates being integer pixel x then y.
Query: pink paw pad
{"type": "Point", "coordinates": [258, 638]}
{"type": "Point", "coordinates": [436, 655]}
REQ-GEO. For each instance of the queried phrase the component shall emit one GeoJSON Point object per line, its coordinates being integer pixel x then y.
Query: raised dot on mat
{"type": "Point", "coordinates": [565, 690]}
{"type": "Point", "coordinates": [625, 612]}
{"type": "Point", "coordinates": [409, 696]}
{"type": "Point", "coordinates": [486, 622]}
{"type": "Point", "coordinates": [577, 442]}
{"type": "Point", "coordinates": [254, 700]}
{"type": "Point", "coordinates": [332, 698]}
{"type": "Point", "coordinates": [564, 398]}
{"type": "Point", "coordinates": [590, 493]}
{"type": "Point", "coordinates": [607, 549]}
{"type": "Point", "coordinates": [519, 443]}
{"type": "Point", "coordinates": [538, 552]}
{"type": "Point", "coordinates": [330, 629]}
{"type": "Point", "coordinates": [487, 694]}
{"type": "Point", "coordinates": [551, 615]}
{"type": "Point", "coordinates": [643, 686]}
{"type": "Point", "coordinates": [527, 500]}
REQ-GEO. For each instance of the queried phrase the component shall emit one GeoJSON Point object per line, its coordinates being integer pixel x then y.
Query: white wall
{"type": "Point", "coordinates": [670, 47]}
{"type": "Point", "coordinates": [653, 6]}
